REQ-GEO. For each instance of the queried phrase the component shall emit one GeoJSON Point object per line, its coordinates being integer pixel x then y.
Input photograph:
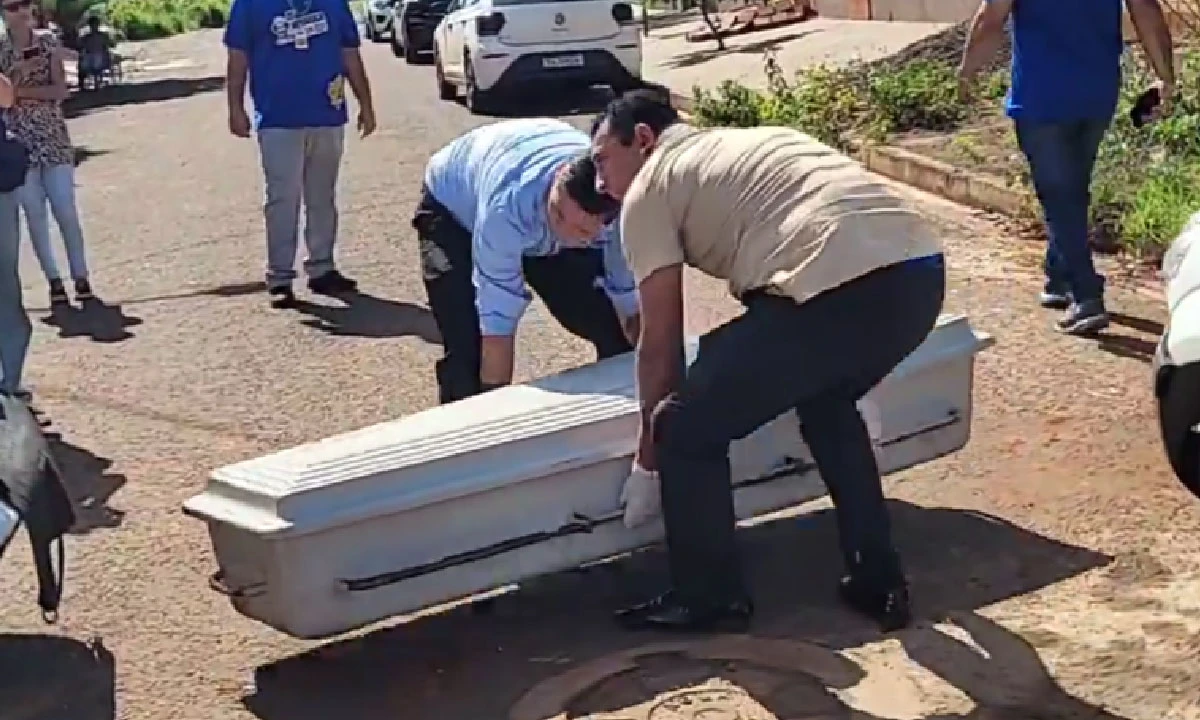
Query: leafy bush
{"type": "Point", "coordinates": [843, 106]}
{"type": "Point", "coordinates": [149, 19]}
{"type": "Point", "coordinates": [1147, 180]}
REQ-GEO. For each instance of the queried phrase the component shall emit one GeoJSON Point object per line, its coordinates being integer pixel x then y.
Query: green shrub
{"type": "Point", "coordinates": [842, 106]}
{"type": "Point", "coordinates": [920, 95]}
{"type": "Point", "coordinates": [149, 19]}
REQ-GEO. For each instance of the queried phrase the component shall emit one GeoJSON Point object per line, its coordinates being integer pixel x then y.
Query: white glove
{"type": "Point", "coordinates": [640, 497]}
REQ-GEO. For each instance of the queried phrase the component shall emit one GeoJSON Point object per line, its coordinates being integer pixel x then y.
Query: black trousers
{"type": "Point", "coordinates": [566, 282]}
{"type": "Point", "coordinates": [820, 358]}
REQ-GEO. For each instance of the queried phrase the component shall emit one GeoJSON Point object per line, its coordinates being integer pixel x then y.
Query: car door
{"type": "Point", "coordinates": [449, 32]}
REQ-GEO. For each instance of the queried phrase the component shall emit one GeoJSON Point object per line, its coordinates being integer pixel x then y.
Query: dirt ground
{"type": "Point", "coordinates": [1055, 564]}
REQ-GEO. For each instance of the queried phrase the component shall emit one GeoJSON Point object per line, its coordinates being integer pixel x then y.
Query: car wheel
{"type": "Point", "coordinates": [446, 91]}
{"type": "Point", "coordinates": [1178, 414]}
{"type": "Point", "coordinates": [368, 31]}
{"type": "Point", "coordinates": [479, 102]}
{"type": "Point", "coordinates": [377, 36]}
{"type": "Point", "coordinates": [397, 48]}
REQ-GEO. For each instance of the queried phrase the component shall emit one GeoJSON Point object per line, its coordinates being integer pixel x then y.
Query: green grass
{"type": "Point", "coordinates": [149, 19]}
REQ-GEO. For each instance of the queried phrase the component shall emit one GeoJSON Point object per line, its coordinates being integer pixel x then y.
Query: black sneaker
{"type": "Point", "coordinates": [332, 283]}
{"type": "Point", "coordinates": [667, 612]}
{"type": "Point", "coordinates": [890, 609]}
{"type": "Point", "coordinates": [58, 293]}
{"type": "Point", "coordinates": [1084, 319]}
{"type": "Point", "coordinates": [83, 290]}
{"type": "Point", "coordinates": [282, 297]}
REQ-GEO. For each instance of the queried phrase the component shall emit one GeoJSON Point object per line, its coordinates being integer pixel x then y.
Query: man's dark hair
{"type": "Point", "coordinates": [649, 106]}
{"type": "Point", "coordinates": [580, 183]}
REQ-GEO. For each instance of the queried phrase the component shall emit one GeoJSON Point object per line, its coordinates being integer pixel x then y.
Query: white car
{"type": "Point", "coordinates": [378, 21]}
{"type": "Point", "coordinates": [495, 48]}
{"type": "Point", "coordinates": [1177, 362]}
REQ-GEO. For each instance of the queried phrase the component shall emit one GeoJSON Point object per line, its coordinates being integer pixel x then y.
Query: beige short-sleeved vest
{"type": "Point", "coordinates": [766, 209]}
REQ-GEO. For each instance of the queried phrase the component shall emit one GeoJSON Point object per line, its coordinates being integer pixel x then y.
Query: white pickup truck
{"type": "Point", "coordinates": [518, 482]}
{"type": "Point", "coordinates": [1177, 362]}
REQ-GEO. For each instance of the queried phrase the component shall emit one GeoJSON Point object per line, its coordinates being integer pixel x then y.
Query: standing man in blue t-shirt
{"type": "Point", "coordinates": [1066, 78]}
{"type": "Point", "coordinates": [298, 55]}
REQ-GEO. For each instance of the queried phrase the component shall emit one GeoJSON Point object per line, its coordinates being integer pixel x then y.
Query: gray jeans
{"type": "Point", "coordinates": [300, 164]}
{"type": "Point", "coordinates": [15, 328]}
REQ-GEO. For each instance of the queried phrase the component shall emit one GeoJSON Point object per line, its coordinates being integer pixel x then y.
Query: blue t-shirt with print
{"type": "Point", "coordinates": [297, 74]}
{"type": "Point", "coordinates": [1066, 60]}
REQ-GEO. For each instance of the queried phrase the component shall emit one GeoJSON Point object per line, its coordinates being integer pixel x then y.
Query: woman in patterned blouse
{"type": "Point", "coordinates": [32, 60]}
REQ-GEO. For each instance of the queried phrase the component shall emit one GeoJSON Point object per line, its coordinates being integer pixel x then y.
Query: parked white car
{"type": "Point", "coordinates": [495, 48]}
{"type": "Point", "coordinates": [1177, 362]}
{"type": "Point", "coordinates": [378, 22]}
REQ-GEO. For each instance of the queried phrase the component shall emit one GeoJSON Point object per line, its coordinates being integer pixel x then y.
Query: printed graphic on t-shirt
{"type": "Point", "coordinates": [292, 28]}
{"type": "Point", "coordinates": [337, 91]}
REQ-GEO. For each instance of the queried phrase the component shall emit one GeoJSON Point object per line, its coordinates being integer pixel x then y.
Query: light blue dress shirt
{"type": "Point", "coordinates": [495, 181]}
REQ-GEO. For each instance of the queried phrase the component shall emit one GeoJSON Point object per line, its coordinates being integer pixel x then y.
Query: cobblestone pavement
{"type": "Point", "coordinates": [1059, 522]}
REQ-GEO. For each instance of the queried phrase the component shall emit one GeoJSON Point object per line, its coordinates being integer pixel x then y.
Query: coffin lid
{"type": "Point", "coordinates": [443, 452]}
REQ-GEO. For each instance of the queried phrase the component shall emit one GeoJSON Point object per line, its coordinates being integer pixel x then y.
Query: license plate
{"type": "Point", "coordinates": [563, 61]}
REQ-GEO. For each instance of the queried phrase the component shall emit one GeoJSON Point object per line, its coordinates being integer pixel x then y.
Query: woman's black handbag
{"type": "Point", "coordinates": [14, 162]}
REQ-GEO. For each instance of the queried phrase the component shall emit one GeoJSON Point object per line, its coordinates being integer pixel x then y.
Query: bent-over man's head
{"type": "Point", "coordinates": [625, 134]}
{"type": "Point", "coordinates": [577, 210]}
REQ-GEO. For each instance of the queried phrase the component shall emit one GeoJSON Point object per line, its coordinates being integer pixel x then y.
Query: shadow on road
{"type": "Point", "coordinates": [137, 93]}
{"type": "Point", "coordinates": [45, 677]}
{"type": "Point", "coordinates": [89, 484]}
{"type": "Point", "coordinates": [94, 319]}
{"type": "Point", "coordinates": [463, 665]}
{"type": "Point", "coordinates": [588, 101]}
{"type": "Point", "coordinates": [83, 154]}
{"type": "Point", "coordinates": [1008, 675]}
{"type": "Point", "coordinates": [369, 316]}
{"type": "Point", "coordinates": [1127, 346]}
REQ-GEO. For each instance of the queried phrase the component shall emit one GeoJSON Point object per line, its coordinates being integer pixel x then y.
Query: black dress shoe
{"type": "Point", "coordinates": [332, 283]}
{"type": "Point", "coordinates": [890, 609]}
{"type": "Point", "coordinates": [667, 612]}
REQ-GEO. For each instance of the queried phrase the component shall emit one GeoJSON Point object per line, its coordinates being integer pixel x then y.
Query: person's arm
{"type": "Point", "coordinates": [500, 293]}
{"type": "Point", "coordinates": [239, 37]}
{"type": "Point", "coordinates": [1155, 36]}
{"type": "Point", "coordinates": [7, 96]}
{"type": "Point", "coordinates": [356, 72]}
{"type": "Point", "coordinates": [652, 246]}
{"type": "Point", "coordinates": [57, 90]}
{"type": "Point", "coordinates": [985, 37]}
{"type": "Point", "coordinates": [619, 284]}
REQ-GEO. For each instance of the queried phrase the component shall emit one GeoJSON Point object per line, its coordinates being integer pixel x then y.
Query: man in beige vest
{"type": "Point", "coordinates": [840, 281]}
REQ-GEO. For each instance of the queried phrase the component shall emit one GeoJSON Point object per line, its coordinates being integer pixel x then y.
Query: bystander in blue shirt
{"type": "Point", "coordinates": [495, 181]}
{"type": "Point", "coordinates": [297, 74]}
{"type": "Point", "coordinates": [1065, 81]}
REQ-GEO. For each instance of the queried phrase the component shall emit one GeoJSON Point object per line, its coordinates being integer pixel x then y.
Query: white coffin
{"type": "Point", "coordinates": [451, 501]}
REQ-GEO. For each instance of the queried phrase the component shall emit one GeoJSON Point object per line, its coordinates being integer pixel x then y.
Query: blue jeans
{"type": "Point", "coordinates": [1061, 156]}
{"type": "Point", "coordinates": [54, 185]}
{"type": "Point", "coordinates": [15, 328]}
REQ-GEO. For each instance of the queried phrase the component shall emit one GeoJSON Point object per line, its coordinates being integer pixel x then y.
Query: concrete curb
{"type": "Point", "coordinates": [940, 178]}
{"type": "Point", "coordinates": [924, 173]}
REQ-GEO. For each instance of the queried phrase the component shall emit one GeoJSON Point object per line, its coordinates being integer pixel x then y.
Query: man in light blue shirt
{"type": "Point", "coordinates": [506, 207]}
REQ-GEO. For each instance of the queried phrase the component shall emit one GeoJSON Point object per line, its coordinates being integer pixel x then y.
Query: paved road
{"type": "Point", "coordinates": [190, 370]}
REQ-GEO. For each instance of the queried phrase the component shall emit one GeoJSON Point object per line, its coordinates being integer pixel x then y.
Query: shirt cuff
{"type": "Point", "coordinates": [626, 303]}
{"type": "Point", "coordinates": [494, 324]}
